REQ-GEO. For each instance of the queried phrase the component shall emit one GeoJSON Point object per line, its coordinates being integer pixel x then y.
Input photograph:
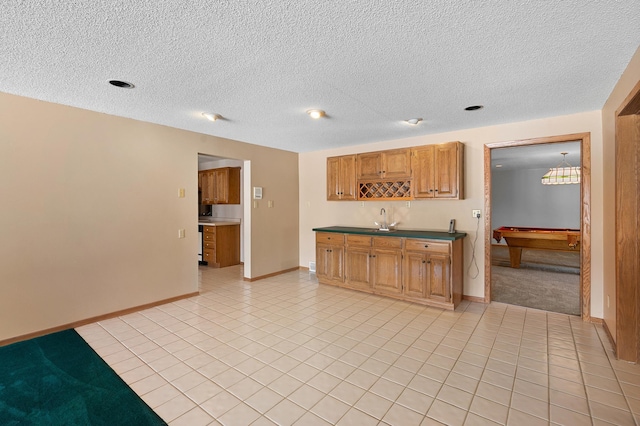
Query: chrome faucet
{"type": "Point", "coordinates": [384, 226]}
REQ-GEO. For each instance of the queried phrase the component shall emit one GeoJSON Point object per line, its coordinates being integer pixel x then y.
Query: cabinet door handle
{"type": "Point", "coordinates": [424, 261]}
{"type": "Point", "coordinates": [428, 261]}
{"type": "Point", "coordinates": [426, 245]}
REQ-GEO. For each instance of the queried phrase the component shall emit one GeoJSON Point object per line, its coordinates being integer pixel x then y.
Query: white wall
{"type": "Point", "coordinates": [519, 199]}
{"type": "Point", "coordinates": [91, 213]}
{"type": "Point", "coordinates": [316, 211]}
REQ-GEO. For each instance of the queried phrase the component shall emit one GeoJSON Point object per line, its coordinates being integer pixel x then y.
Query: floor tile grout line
{"type": "Point", "coordinates": [615, 372]}
{"type": "Point", "coordinates": [190, 320]}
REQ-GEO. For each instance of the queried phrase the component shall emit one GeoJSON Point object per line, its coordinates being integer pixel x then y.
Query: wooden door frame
{"type": "Point", "coordinates": [585, 211]}
{"type": "Point", "coordinates": [627, 184]}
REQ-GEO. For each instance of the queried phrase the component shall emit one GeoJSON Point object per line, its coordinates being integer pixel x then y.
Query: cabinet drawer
{"type": "Point", "coordinates": [329, 238]}
{"type": "Point", "coordinates": [209, 245]}
{"type": "Point", "coordinates": [208, 237]}
{"type": "Point", "coordinates": [209, 229]}
{"type": "Point", "coordinates": [209, 255]}
{"type": "Point", "coordinates": [358, 240]}
{"type": "Point", "coordinates": [387, 242]}
{"type": "Point", "coordinates": [426, 245]}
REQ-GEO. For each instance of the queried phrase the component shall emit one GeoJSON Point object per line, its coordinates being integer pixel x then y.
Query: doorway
{"type": "Point", "coordinates": [232, 211]}
{"type": "Point", "coordinates": [584, 282]}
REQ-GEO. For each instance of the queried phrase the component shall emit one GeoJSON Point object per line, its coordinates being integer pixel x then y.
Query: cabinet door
{"type": "Point", "coordinates": [233, 185]}
{"type": "Point", "coordinates": [348, 178]}
{"type": "Point", "coordinates": [221, 186]}
{"type": "Point", "coordinates": [396, 164]}
{"type": "Point", "coordinates": [423, 173]}
{"type": "Point", "coordinates": [330, 262]}
{"type": "Point", "coordinates": [415, 275]}
{"type": "Point", "coordinates": [208, 184]}
{"type": "Point", "coordinates": [358, 268]}
{"type": "Point", "coordinates": [369, 165]}
{"type": "Point", "coordinates": [333, 179]}
{"type": "Point", "coordinates": [341, 178]}
{"type": "Point", "coordinates": [387, 275]}
{"type": "Point", "coordinates": [446, 170]}
{"type": "Point", "coordinates": [439, 277]}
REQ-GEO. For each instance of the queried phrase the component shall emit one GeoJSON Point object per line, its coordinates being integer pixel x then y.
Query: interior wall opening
{"type": "Point", "coordinates": [537, 236]}
{"type": "Point", "coordinates": [221, 204]}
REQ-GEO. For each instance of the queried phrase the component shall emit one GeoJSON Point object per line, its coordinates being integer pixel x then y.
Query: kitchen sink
{"type": "Point", "coordinates": [385, 231]}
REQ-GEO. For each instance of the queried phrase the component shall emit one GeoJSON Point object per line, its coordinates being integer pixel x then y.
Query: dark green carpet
{"type": "Point", "coordinates": [58, 379]}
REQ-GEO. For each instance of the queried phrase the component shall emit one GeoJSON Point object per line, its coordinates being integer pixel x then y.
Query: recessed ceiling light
{"type": "Point", "coordinates": [413, 121]}
{"type": "Point", "coordinates": [473, 107]}
{"type": "Point", "coordinates": [316, 113]}
{"type": "Point", "coordinates": [121, 84]}
{"type": "Point", "coordinates": [210, 116]}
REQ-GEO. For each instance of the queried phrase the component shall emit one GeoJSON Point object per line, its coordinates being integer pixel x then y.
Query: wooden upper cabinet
{"type": "Point", "coordinates": [227, 185]}
{"type": "Point", "coordinates": [220, 186]}
{"type": "Point", "coordinates": [207, 184]}
{"type": "Point", "coordinates": [391, 164]}
{"type": "Point", "coordinates": [422, 172]}
{"type": "Point", "coordinates": [438, 171]}
{"type": "Point", "coordinates": [341, 178]}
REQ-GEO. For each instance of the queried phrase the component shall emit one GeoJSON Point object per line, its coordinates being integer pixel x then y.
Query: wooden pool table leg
{"type": "Point", "coordinates": [515, 255]}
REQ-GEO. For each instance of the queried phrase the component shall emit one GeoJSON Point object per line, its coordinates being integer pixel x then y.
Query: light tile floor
{"type": "Point", "coordinates": [286, 350]}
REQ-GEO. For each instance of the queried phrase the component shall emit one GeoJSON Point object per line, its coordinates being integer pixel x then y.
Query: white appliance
{"type": "Point", "coordinates": [200, 244]}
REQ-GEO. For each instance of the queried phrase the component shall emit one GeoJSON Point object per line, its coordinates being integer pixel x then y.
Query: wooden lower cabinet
{"type": "Point", "coordinates": [418, 270]}
{"type": "Point", "coordinates": [358, 268]}
{"type": "Point", "coordinates": [415, 272]}
{"type": "Point", "coordinates": [330, 257]}
{"type": "Point", "coordinates": [221, 245]}
{"type": "Point", "coordinates": [374, 264]}
{"type": "Point", "coordinates": [387, 272]}
{"type": "Point", "coordinates": [439, 278]}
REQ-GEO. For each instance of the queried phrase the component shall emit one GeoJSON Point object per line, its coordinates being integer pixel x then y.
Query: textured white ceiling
{"type": "Point", "coordinates": [370, 64]}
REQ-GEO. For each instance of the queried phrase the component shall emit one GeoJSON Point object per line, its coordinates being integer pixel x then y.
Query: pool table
{"type": "Point", "coordinates": [536, 238]}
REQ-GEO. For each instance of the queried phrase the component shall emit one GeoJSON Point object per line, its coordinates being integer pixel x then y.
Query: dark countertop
{"type": "Point", "coordinates": [405, 233]}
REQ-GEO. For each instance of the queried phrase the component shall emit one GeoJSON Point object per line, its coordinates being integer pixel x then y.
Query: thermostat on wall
{"type": "Point", "coordinates": [257, 193]}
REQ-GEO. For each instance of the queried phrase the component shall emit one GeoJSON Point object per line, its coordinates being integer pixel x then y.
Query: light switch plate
{"type": "Point", "coordinates": [180, 233]}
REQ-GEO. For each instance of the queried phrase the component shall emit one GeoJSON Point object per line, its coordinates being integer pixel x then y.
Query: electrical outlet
{"type": "Point", "coordinates": [181, 193]}
{"type": "Point", "coordinates": [180, 233]}
{"type": "Point", "coordinates": [409, 204]}
{"type": "Point", "coordinates": [475, 213]}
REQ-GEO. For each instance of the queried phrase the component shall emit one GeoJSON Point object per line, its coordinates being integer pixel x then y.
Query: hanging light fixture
{"type": "Point", "coordinates": [564, 173]}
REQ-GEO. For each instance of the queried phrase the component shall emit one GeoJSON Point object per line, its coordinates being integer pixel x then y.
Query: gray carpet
{"type": "Point", "coordinates": [546, 280]}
